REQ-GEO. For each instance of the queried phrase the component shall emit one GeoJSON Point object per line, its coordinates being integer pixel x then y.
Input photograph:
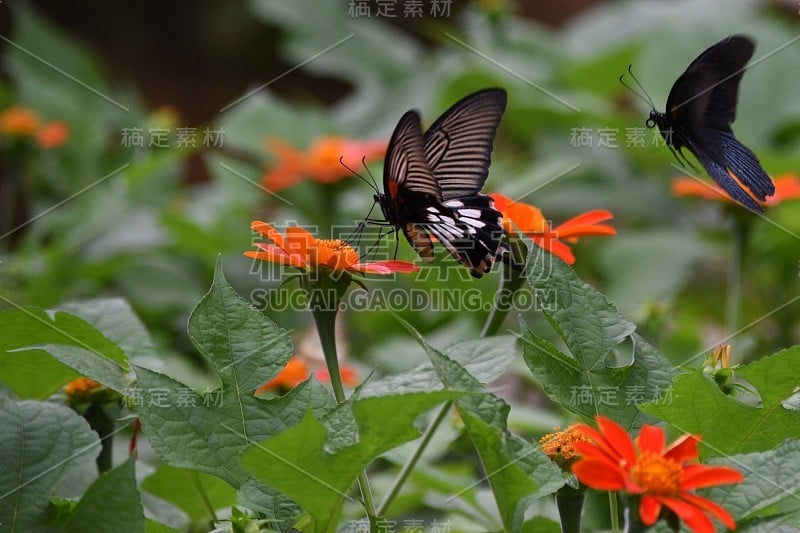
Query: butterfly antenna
{"type": "Point", "coordinates": [641, 93]}
{"type": "Point", "coordinates": [370, 184]}
{"type": "Point", "coordinates": [374, 182]}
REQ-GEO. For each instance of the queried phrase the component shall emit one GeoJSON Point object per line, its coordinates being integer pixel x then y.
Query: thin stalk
{"type": "Point", "coordinates": [194, 477]}
{"type": "Point", "coordinates": [734, 292]}
{"type": "Point", "coordinates": [614, 511]}
{"type": "Point", "coordinates": [500, 309]}
{"type": "Point", "coordinates": [325, 319]}
{"type": "Point", "coordinates": [510, 283]}
{"type": "Point", "coordinates": [408, 467]}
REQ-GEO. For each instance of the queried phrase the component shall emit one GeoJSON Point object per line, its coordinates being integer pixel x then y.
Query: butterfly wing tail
{"type": "Point", "coordinates": [731, 186]}
{"type": "Point", "coordinates": [745, 166]}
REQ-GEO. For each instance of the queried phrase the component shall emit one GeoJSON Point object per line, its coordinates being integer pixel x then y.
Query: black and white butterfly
{"type": "Point", "coordinates": [701, 107]}
{"type": "Point", "coordinates": [432, 183]}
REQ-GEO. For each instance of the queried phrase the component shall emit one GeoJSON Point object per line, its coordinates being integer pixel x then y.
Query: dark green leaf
{"type": "Point", "coordinates": [41, 444]}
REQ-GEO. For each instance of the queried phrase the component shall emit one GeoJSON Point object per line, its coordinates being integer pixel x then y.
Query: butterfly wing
{"type": "Point", "coordinates": [407, 181]}
{"type": "Point", "coordinates": [458, 145]}
{"type": "Point", "coordinates": [470, 228]}
{"type": "Point", "coordinates": [700, 110]}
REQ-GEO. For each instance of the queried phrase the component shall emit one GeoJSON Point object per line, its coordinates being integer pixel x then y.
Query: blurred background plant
{"type": "Point", "coordinates": [172, 127]}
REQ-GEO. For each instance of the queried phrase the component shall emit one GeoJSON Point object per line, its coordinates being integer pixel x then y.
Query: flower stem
{"type": "Point", "coordinates": [570, 506]}
{"type": "Point", "coordinates": [738, 237]}
{"type": "Point", "coordinates": [614, 512]}
{"type": "Point", "coordinates": [325, 319]}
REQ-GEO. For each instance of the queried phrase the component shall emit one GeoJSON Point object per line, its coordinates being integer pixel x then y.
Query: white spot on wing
{"type": "Point", "coordinates": [453, 203]}
{"type": "Point", "coordinates": [471, 213]}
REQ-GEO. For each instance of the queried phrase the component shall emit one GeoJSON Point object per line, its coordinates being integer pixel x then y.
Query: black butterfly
{"type": "Point", "coordinates": [700, 110]}
{"type": "Point", "coordinates": [431, 184]}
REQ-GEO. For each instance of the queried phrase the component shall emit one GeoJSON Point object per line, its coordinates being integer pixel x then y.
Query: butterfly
{"type": "Point", "coordinates": [701, 107]}
{"type": "Point", "coordinates": [432, 182]}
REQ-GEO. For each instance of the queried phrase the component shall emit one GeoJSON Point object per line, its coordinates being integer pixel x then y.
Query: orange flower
{"type": "Point", "coordinates": [559, 445]}
{"type": "Point", "coordinates": [320, 162]}
{"type": "Point", "coordinates": [302, 250]}
{"type": "Point", "coordinates": [52, 135]}
{"type": "Point", "coordinates": [530, 221]}
{"type": "Point", "coordinates": [24, 122]}
{"type": "Point", "coordinates": [79, 389]}
{"type": "Point", "coordinates": [663, 478]}
{"type": "Point", "coordinates": [296, 371]}
{"type": "Point", "coordinates": [18, 120]}
{"type": "Point", "coordinates": [293, 374]}
{"type": "Point", "coordinates": [348, 373]}
{"type": "Point", "coordinates": [787, 187]}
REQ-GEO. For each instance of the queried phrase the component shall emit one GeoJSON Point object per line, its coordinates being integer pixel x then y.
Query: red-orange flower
{"type": "Point", "coordinates": [302, 250]}
{"type": "Point", "coordinates": [293, 374]}
{"type": "Point", "coordinates": [296, 371]}
{"type": "Point", "coordinates": [661, 477]}
{"type": "Point", "coordinates": [52, 135]}
{"type": "Point", "coordinates": [24, 122]}
{"type": "Point", "coordinates": [787, 187]}
{"type": "Point", "coordinates": [320, 162]}
{"type": "Point", "coordinates": [529, 220]}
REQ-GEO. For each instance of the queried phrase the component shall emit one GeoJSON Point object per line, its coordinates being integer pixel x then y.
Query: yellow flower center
{"type": "Point", "coordinates": [657, 474]}
{"type": "Point", "coordinates": [337, 245]}
{"type": "Point", "coordinates": [559, 444]}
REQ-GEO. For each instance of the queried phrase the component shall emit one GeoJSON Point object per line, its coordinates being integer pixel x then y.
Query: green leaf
{"type": "Point", "coordinates": [769, 478]}
{"type": "Point", "coordinates": [485, 359]}
{"type": "Point", "coordinates": [698, 406]}
{"type": "Point", "coordinates": [610, 368]}
{"type": "Point", "coordinates": [207, 431]}
{"type": "Point", "coordinates": [298, 462]}
{"type": "Point", "coordinates": [113, 499]}
{"type": "Point", "coordinates": [115, 318]}
{"type": "Point", "coordinates": [75, 347]}
{"type": "Point", "coordinates": [186, 489]}
{"type": "Point", "coordinates": [516, 470]}
{"type": "Point", "coordinates": [41, 444]}
{"type": "Point", "coordinates": [151, 526]}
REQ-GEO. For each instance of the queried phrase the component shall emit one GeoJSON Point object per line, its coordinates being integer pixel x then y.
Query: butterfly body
{"type": "Point", "coordinates": [432, 182]}
{"type": "Point", "coordinates": [701, 107]}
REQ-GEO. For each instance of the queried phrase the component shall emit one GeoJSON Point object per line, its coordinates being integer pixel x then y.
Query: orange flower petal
{"type": "Point", "coordinates": [586, 224]}
{"type": "Point", "coordinates": [274, 255]}
{"type": "Point", "coordinates": [701, 476]}
{"type": "Point", "coordinates": [556, 247]}
{"type": "Point", "coordinates": [294, 373]}
{"type": "Point", "coordinates": [787, 187]}
{"type": "Point", "coordinates": [696, 519]}
{"type": "Point", "coordinates": [618, 438]}
{"type": "Point", "coordinates": [683, 449]}
{"type": "Point", "coordinates": [712, 507]}
{"type": "Point", "coordinates": [651, 439]}
{"type": "Point", "coordinates": [649, 510]}
{"type": "Point", "coordinates": [692, 187]}
{"type": "Point", "coordinates": [298, 241]}
{"type": "Point", "coordinates": [349, 375]}
{"type": "Point", "coordinates": [598, 475]}
{"type": "Point", "coordinates": [385, 267]}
